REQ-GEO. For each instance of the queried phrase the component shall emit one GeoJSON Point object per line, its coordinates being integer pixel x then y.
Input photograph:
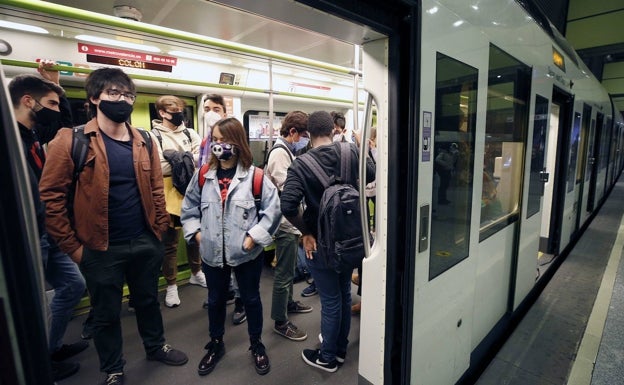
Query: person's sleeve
{"type": "Point", "coordinates": [191, 210]}
{"type": "Point", "coordinates": [158, 190]}
{"type": "Point", "coordinates": [56, 180]}
{"type": "Point", "coordinates": [165, 167]}
{"type": "Point", "coordinates": [278, 164]}
{"type": "Point", "coordinates": [195, 145]}
{"type": "Point", "coordinates": [269, 215]}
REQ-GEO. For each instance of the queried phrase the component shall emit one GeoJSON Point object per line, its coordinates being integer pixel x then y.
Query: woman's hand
{"type": "Point", "coordinates": [198, 237]}
{"type": "Point", "coordinates": [248, 243]}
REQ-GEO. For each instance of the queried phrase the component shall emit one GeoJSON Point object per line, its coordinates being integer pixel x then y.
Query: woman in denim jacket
{"type": "Point", "coordinates": [221, 215]}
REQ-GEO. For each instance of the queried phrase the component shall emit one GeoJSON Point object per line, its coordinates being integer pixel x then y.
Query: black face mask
{"type": "Point", "coordinates": [46, 116]}
{"type": "Point", "coordinates": [176, 118]}
{"type": "Point", "coordinates": [118, 111]}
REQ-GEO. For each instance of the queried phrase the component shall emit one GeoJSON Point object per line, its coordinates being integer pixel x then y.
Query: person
{"type": "Point", "coordinates": [41, 109]}
{"type": "Point", "coordinates": [340, 132]}
{"type": "Point", "coordinates": [215, 110]}
{"type": "Point", "coordinates": [334, 286]}
{"type": "Point", "coordinates": [231, 228]}
{"type": "Point", "coordinates": [171, 134]}
{"type": "Point", "coordinates": [444, 166]}
{"type": "Point", "coordinates": [118, 217]}
{"type": "Point", "coordinates": [293, 130]}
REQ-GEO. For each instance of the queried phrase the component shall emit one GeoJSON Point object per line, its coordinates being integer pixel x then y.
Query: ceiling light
{"type": "Point", "coordinates": [195, 56]}
{"type": "Point", "coordinates": [22, 27]}
{"type": "Point", "coordinates": [458, 23]}
{"type": "Point", "coordinates": [117, 43]}
{"type": "Point", "coordinates": [433, 10]}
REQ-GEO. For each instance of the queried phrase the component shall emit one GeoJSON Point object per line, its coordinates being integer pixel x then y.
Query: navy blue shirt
{"type": "Point", "coordinates": [125, 212]}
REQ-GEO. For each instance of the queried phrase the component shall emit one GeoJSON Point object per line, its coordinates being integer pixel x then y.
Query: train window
{"type": "Point", "coordinates": [454, 124]}
{"type": "Point", "coordinates": [509, 83]}
{"type": "Point", "coordinates": [538, 144]}
{"type": "Point", "coordinates": [575, 136]}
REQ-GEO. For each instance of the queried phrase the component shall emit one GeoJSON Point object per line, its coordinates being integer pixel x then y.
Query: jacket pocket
{"type": "Point", "coordinates": [244, 214]}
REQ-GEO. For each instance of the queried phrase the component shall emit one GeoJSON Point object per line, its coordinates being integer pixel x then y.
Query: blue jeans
{"type": "Point", "coordinates": [218, 280]}
{"type": "Point", "coordinates": [286, 245]}
{"type": "Point", "coordinates": [69, 287]}
{"type": "Point", "coordinates": [334, 289]}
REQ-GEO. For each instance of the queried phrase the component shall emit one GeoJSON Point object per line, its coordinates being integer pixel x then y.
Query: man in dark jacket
{"type": "Point", "coordinates": [41, 109]}
{"type": "Point", "coordinates": [334, 287]}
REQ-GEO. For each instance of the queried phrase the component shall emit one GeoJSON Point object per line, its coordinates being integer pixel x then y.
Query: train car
{"type": "Point", "coordinates": [496, 144]}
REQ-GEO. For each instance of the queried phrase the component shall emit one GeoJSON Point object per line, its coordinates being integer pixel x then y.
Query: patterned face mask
{"type": "Point", "coordinates": [222, 150]}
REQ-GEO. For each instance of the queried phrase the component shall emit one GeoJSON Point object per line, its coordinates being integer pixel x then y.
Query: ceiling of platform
{"type": "Point", "coordinates": [593, 27]}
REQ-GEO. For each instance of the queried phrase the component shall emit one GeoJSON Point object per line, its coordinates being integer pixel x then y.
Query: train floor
{"type": "Point", "coordinates": [574, 332]}
{"type": "Point", "coordinates": [186, 328]}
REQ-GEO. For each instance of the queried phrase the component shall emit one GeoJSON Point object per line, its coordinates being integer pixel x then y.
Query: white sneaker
{"type": "Point", "coordinates": [198, 279]}
{"type": "Point", "coordinates": [172, 299]}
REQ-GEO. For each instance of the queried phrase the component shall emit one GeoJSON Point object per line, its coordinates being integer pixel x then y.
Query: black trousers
{"type": "Point", "coordinates": [136, 262]}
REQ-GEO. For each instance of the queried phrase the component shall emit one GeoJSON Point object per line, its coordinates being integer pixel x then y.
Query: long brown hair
{"type": "Point", "coordinates": [233, 132]}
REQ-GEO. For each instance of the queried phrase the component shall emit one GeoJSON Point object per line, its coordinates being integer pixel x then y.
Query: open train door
{"type": "Point", "coordinates": [24, 355]}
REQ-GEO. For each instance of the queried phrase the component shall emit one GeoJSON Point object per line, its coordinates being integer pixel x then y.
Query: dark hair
{"type": "Point", "coordinates": [102, 78]}
{"type": "Point", "coordinates": [234, 133]}
{"type": "Point", "coordinates": [320, 123]}
{"type": "Point", "coordinates": [217, 99]}
{"type": "Point", "coordinates": [339, 119]}
{"type": "Point", "coordinates": [31, 85]}
{"type": "Point", "coordinates": [294, 119]}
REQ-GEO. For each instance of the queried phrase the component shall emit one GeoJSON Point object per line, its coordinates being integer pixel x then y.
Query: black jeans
{"type": "Point", "coordinates": [137, 262]}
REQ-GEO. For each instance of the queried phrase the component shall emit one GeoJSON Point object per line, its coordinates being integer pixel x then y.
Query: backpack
{"type": "Point", "coordinates": [158, 135]}
{"type": "Point", "coordinates": [79, 150]}
{"type": "Point", "coordinates": [339, 228]}
{"type": "Point", "coordinates": [277, 145]}
{"type": "Point", "coordinates": [258, 179]}
{"type": "Point", "coordinates": [182, 168]}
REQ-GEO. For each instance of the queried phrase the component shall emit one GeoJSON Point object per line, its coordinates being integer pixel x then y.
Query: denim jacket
{"type": "Point", "coordinates": [224, 227]}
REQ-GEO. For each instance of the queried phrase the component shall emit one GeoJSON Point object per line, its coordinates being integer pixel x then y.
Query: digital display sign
{"type": "Point", "coordinates": [558, 59]}
{"type": "Point", "coordinates": [128, 63]}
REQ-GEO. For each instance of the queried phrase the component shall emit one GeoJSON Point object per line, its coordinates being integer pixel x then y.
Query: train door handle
{"type": "Point", "coordinates": [591, 161]}
{"type": "Point", "coordinates": [543, 176]}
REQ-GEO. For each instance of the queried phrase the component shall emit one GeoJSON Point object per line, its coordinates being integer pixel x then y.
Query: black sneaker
{"type": "Point", "coordinates": [231, 297]}
{"type": "Point", "coordinates": [261, 360]}
{"type": "Point", "coordinates": [340, 358]}
{"type": "Point", "coordinates": [62, 370]}
{"type": "Point", "coordinates": [290, 331]}
{"type": "Point", "coordinates": [298, 307]}
{"type": "Point", "coordinates": [313, 358]}
{"type": "Point", "coordinates": [66, 351]}
{"type": "Point", "coordinates": [215, 350]}
{"type": "Point", "coordinates": [168, 355]}
{"type": "Point", "coordinates": [114, 379]}
{"type": "Point", "coordinates": [239, 316]}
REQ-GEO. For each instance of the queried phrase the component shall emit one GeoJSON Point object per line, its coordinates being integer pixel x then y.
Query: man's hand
{"type": "Point", "coordinates": [47, 73]}
{"type": "Point", "coordinates": [309, 245]}
{"type": "Point", "coordinates": [77, 255]}
{"type": "Point", "coordinates": [248, 243]}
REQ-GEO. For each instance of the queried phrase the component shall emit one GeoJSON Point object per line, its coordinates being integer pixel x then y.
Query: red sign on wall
{"type": "Point", "coordinates": [124, 54]}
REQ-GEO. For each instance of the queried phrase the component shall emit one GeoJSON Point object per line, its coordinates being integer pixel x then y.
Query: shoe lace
{"type": "Point", "coordinates": [257, 348]}
{"type": "Point", "coordinates": [112, 378]}
{"type": "Point", "coordinates": [166, 348]}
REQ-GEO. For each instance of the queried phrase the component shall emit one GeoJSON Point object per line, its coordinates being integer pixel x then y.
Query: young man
{"type": "Point", "coordinates": [118, 218]}
{"type": "Point", "coordinates": [334, 287]}
{"type": "Point", "coordinates": [40, 109]}
{"type": "Point", "coordinates": [294, 129]}
{"type": "Point", "coordinates": [172, 136]}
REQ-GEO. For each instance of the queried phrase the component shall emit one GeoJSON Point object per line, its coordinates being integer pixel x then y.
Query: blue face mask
{"type": "Point", "coordinates": [223, 150]}
{"type": "Point", "coordinates": [302, 143]}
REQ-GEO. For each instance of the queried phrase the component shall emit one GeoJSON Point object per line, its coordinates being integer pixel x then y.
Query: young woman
{"type": "Point", "coordinates": [219, 213]}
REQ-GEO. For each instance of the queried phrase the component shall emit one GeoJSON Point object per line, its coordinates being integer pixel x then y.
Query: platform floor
{"type": "Point", "coordinates": [186, 328]}
{"type": "Point", "coordinates": [574, 332]}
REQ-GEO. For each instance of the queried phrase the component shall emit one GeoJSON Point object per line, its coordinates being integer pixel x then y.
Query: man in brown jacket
{"type": "Point", "coordinates": [118, 218]}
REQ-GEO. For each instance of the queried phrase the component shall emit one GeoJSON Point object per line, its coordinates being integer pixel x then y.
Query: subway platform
{"type": "Point", "coordinates": [574, 332]}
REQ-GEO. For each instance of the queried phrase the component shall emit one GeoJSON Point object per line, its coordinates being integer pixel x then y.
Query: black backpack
{"type": "Point", "coordinates": [339, 229]}
{"type": "Point", "coordinates": [182, 168]}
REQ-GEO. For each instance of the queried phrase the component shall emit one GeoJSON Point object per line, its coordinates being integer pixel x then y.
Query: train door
{"type": "Point", "coordinates": [594, 161]}
{"type": "Point", "coordinates": [528, 252]}
{"type": "Point", "coordinates": [557, 166]}
{"type": "Point", "coordinates": [24, 355]}
{"type": "Point", "coordinates": [582, 172]}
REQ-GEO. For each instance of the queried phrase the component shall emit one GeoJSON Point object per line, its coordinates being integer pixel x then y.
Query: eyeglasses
{"type": "Point", "coordinates": [115, 95]}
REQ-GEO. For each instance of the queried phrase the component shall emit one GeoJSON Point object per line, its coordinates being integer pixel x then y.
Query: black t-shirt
{"type": "Point", "coordinates": [225, 178]}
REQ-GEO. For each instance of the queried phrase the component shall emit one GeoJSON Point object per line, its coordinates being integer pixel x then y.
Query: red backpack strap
{"type": "Point", "coordinates": [258, 178]}
{"type": "Point", "coordinates": [202, 171]}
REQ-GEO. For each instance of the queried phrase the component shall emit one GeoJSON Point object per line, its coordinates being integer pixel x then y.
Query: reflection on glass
{"type": "Point", "coordinates": [509, 84]}
{"type": "Point", "coordinates": [574, 147]}
{"type": "Point", "coordinates": [540, 124]}
{"type": "Point", "coordinates": [453, 159]}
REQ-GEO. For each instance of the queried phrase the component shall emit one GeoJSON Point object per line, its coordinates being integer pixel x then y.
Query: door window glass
{"type": "Point", "coordinates": [536, 185]}
{"type": "Point", "coordinates": [453, 158]}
